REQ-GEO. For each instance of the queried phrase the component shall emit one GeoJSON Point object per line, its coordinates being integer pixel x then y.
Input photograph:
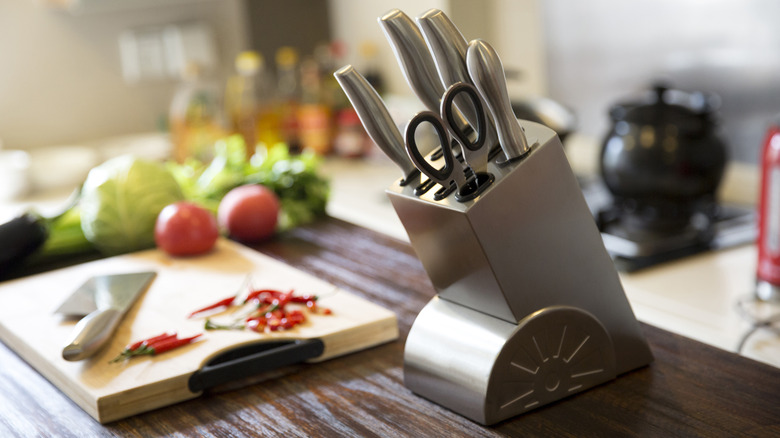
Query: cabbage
{"type": "Point", "coordinates": [120, 201]}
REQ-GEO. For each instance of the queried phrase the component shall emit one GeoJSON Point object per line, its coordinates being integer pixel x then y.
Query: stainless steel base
{"type": "Point", "coordinates": [489, 370]}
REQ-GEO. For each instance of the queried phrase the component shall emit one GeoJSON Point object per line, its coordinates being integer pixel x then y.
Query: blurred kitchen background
{"type": "Point", "coordinates": [76, 71]}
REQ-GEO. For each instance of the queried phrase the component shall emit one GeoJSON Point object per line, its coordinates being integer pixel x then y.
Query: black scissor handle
{"type": "Point", "coordinates": [443, 175]}
{"type": "Point", "coordinates": [448, 106]}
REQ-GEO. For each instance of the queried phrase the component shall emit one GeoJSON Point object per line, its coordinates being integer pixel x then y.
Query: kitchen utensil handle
{"type": "Point", "coordinates": [487, 72]}
{"type": "Point", "coordinates": [449, 48]}
{"type": "Point", "coordinates": [413, 57]}
{"type": "Point", "coordinates": [253, 359]}
{"type": "Point", "coordinates": [375, 118]}
{"type": "Point", "coordinates": [91, 333]}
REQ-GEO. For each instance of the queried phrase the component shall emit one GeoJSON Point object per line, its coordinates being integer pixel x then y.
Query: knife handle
{"type": "Point", "coordinates": [90, 333]}
{"type": "Point", "coordinates": [375, 118]}
{"type": "Point", "coordinates": [413, 56]}
{"type": "Point", "coordinates": [487, 72]}
{"type": "Point", "coordinates": [449, 48]}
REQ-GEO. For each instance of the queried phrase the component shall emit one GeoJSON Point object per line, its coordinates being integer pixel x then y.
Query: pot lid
{"type": "Point", "coordinates": [663, 106]}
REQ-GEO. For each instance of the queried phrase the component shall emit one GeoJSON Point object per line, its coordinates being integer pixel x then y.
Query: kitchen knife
{"type": "Point", "coordinates": [413, 56]}
{"type": "Point", "coordinates": [487, 72]}
{"type": "Point", "coordinates": [449, 47]}
{"type": "Point", "coordinates": [104, 300]}
{"type": "Point", "coordinates": [376, 119]}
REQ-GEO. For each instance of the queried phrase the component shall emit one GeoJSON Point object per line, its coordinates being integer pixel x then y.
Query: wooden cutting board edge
{"type": "Point", "coordinates": [175, 390]}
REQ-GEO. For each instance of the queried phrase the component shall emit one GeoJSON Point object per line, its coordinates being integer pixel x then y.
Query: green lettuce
{"type": "Point", "coordinates": [302, 192]}
{"type": "Point", "coordinates": [120, 201]}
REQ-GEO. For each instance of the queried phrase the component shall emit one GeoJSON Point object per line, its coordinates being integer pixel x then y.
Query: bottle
{"type": "Point", "coordinates": [288, 90]}
{"type": "Point", "coordinates": [195, 117]}
{"type": "Point", "coordinates": [314, 116]}
{"type": "Point", "coordinates": [768, 269]}
{"type": "Point", "coordinates": [351, 139]}
{"type": "Point", "coordinates": [241, 99]}
{"type": "Point", "coordinates": [248, 101]}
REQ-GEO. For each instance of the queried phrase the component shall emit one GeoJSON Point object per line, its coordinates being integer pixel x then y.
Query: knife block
{"type": "Point", "coordinates": [529, 306]}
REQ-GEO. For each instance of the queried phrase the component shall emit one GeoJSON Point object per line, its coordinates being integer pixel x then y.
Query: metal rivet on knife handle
{"type": "Point", "coordinates": [487, 73]}
{"type": "Point", "coordinates": [376, 118]}
{"type": "Point", "coordinates": [449, 47]}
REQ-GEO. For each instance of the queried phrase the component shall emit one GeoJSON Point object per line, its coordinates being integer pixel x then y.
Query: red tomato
{"type": "Point", "coordinates": [184, 228]}
{"type": "Point", "coordinates": [249, 213]}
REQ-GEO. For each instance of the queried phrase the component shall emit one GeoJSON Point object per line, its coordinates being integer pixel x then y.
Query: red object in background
{"type": "Point", "coordinates": [185, 228]}
{"type": "Point", "coordinates": [769, 216]}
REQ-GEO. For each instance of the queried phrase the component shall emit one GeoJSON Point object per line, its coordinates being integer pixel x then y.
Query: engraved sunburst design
{"type": "Point", "coordinates": [554, 353]}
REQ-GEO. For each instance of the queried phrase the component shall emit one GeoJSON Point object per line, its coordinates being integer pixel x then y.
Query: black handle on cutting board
{"type": "Point", "coordinates": [253, 359]}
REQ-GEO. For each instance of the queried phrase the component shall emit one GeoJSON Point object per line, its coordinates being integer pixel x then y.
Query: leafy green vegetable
{"type": "Point", "coordinates": [120, 201]}
{"type": "Point", "coordinates": [302, 192]}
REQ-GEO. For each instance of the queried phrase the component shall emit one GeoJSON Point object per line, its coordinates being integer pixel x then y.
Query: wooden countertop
{"type": "Point", "coordinates": [691, 389]}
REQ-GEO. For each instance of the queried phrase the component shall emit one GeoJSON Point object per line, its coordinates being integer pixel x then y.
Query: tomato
{"type": "Point", "coordinates": [249, 213]}
{"type": "Point", "coordinates": [184, 228]}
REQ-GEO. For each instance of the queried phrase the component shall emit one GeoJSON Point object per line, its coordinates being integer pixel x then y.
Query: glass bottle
{"type": "Point", "coordinates": [195, 116]}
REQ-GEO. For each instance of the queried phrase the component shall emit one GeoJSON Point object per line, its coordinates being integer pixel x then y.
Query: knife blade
{"type": "Point", "coordinates": [376, 119]}
{"type": "Point", "coordinates": [487, 72]}
{"type": "Point", "coordinates": [104, 299]}
{"type": "Point", "coordinates": [449, 46]}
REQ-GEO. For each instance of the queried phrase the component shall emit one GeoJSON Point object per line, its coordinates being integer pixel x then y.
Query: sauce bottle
{"type": "Point", "coordinates": [768, 271]}
{"type": "Point", "coordinates": [195, 117]}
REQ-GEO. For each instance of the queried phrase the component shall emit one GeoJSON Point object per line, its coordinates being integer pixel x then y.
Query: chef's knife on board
{"type": "Point", "coordinates": [104, 299]}
{"type": "Point", "coordinates": [376, 119]}
{"type": "Point", "coordinates": [449, 47]}
{"type": "Point", "coordinates": [487, 72]}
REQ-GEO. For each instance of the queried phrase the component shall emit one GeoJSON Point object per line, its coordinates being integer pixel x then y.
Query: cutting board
{"type": "Point", "coordinates": [111, 391]}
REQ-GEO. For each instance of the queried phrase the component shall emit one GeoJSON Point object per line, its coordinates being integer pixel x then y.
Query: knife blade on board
{"type": "Point", "coordinates": [102, 301]}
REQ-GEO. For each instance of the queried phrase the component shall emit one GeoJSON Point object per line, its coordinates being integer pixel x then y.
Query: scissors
{"type": "Point", "coordinates": [452, 176]}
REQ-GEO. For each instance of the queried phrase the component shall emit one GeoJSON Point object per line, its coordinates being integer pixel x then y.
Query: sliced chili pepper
{"type": "Point", "coordinates": [221, 303]}
{"type": "Point", "coordinates": [211, 325]}
{"type": "Point", "coordinates": [271, 313]}
{"type": "Point", "coordinates": [303, 299]}
{"type": "Point", "coordinates": [257, 324]}
{"type": "Point", "coordinates": [255, 294]}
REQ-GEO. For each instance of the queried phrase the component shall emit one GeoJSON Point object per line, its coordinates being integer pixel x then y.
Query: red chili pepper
{"type": "Point", "coordinates": [271, 313]}
{"type": "Point", "coordinates": [303, 299]}
{"type": "Point", "coordinates": [170, 344]}
{"type": "Point", "coordinates": [155, 345]}
{"type": "Point", "coordinates": [255, 294]}
{"type": "Point", "coordinates": [137, 345]}
{"type": "Point", "coordinates": [221, 303]}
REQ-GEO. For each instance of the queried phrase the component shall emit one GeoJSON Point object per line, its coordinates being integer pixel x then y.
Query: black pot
{"type": "Point", "coordinates": [662, 159]}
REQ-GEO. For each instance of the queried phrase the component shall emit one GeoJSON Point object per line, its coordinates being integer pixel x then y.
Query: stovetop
{"type": "Point", "coordinates": [730, 226]}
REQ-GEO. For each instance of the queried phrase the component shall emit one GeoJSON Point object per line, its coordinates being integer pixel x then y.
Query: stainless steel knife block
{"type": "Point", "coordinates": [529, 307]}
